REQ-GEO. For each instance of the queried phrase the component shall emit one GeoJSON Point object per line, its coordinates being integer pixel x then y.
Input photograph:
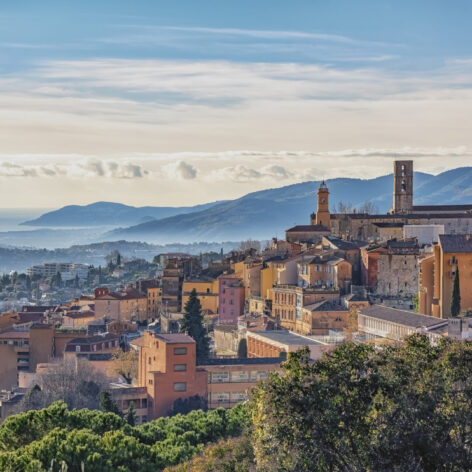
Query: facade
{"type": "Point", "coordinates": [100, 343]}
{"type": "Point", "coordinates": [125, 305]}
{"type": "Point", "coordinates": [21, 350]}
{"type": "Point", "coordinates": [207, 292]}
{"type": "Point", "coordinates": [231, 299]}
{"type": "Point", "coordinates": [168, 369]}
{"type": "Point", "coordinates": [321, 318]}
{"type": "Point", "coordinates": [154, 301]}
{"type": "Point", "coordinates": [289, 301]}
{"type": "Point", "coordinates": [379, 321]}
{"type": "Point", "coordinates": [230, 380]}
{"type": "Point", "coordinates": [325, 271]}
{"type": "Point", "coordinates": [452, 253]}
{"type": "Point", "coordinates": [125, 395]}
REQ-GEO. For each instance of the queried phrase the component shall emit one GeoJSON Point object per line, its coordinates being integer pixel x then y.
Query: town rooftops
{"type": "Point", "coordinates": [344, 245]}
{"type": "Point", "coordinates": [15, 335]}
{"type": "Point", "coordinates": [286, 338]}
{"type": "Point", "coordinates": [324, 305]}
{"type": "Point", "coordinates": [455, 242]}
{"type": "Point", "coordinates": [37, 309]}
{"type": "Point", "coordinates": [308, 229]}
{"type": "Point", "coordinates": [175, 338]}
{"type": "Point", "coordinates": [401, 317]}
{"type": "Point", "coordinates": [94, 339]}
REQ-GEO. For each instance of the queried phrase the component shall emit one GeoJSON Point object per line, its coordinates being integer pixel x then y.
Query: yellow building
{"type": "Point", "coordinates": [452, 253]}
{"type": "Point", "coordinates": [207, 292]}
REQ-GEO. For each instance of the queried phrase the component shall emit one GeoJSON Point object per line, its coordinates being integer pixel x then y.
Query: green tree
{"type": "Point", "coordinates": [403, 408]}
{"type": "Point", "coordinates": [118, 259]}
{"type": "Point", "coordinates": [456, 295]}
{"type": "Point", "coordinates": [242, 348]}
{"type": "Point", "coordinates": [192, 324]}
{"type": "Point", "coordinates": [131, 415]}
{"type": "Point", "coordinates": [107, 403]}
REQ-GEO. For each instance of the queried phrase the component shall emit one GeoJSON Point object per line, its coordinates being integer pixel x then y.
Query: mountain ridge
{"type": "Point", "coordinates": [109, 213]}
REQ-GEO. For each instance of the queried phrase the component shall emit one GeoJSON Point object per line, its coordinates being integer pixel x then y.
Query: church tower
{"type": "Point", "coordinates": [323, 217]}
{"type": "Point", "coordinates": [402, 187]}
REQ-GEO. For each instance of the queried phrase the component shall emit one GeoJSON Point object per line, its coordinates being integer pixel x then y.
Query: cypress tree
{"type": "Point", "coordinates": [242, 348]}
{"type": "Point", "coordinates": [456, 296]}
{"type": "Point", "coordinates": [192, 324]}
{"type": "Point", "coordinates": [131, 415]}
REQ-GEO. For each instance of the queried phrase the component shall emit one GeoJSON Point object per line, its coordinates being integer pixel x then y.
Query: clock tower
{"type": "Point", "coordinates": [323, 217]}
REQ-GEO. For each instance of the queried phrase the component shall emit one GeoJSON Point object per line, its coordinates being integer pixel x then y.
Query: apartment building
{"type": "Point", "coordinates": [169, 370]}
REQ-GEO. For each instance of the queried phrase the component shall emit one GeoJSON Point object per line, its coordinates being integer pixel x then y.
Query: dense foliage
{"type": "Point", "coordinates": [359, 409]}
{"type": "Point", "coordinates": [192, 324]}
{"type": "Point", "coordinates": [228, 455]}
{"type": "Point", "coordinates": [105, 442]}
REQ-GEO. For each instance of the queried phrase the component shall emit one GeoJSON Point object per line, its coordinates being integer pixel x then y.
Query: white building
{"type": "Point", "coordinates": [68, 270]}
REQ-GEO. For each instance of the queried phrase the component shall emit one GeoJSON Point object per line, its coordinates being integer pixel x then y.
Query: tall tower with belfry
{"type": "Point", "coordinates": [402, 187]}
{"type": "Point", "coordinates": [322, 216]}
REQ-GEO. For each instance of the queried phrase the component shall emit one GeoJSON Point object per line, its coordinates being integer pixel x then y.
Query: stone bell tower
{"type": "Point", "coordinates": [402, 187]}
{"type": "Point", "coordinates": [323, 217]}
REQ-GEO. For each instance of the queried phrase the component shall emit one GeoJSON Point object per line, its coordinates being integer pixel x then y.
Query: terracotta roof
{"type": "Point", "coordinates": [455, 242]}
{"type": "Point", "coordinates": [94, 339]}
{"type": "Point", "coordinates": [308, 228]}
{"type": "Point", "coordinates": [15, 335]}
{"type": "Point", "coordinates": [402, 317]}
{"type": "Point", "coordinates": [37, 309]}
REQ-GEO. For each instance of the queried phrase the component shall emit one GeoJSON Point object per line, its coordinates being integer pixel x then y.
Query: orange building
{"type": "Point", "coordinates": [168, 369]}
{"type": "Point", "coordinates": [452, 253]}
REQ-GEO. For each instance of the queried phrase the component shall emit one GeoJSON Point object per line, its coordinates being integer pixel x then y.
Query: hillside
{"type": "Point", "coordinates": [109, 213]}
{"type": "Point", "coordinates": [261, 215]}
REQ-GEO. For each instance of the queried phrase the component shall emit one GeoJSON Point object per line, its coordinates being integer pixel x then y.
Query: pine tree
{"type": "Point", "coordinates": [107, 404]}
{"type": "Point", "coordinates": [456, 296]}
{"type": "Point", "coordinates": [118, 259]}
{"type": "Point", "coordinates": [192, 324]}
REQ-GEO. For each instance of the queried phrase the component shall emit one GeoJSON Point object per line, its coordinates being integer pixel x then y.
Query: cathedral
{"type": "Point", "coordinates": [456, 219]}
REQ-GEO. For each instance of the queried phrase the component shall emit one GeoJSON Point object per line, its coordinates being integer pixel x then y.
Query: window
{"type": "Point", "coordinates": [180, 367]}
{"type": "Point", "coordinates": [180, 386]}
{"type": "Point", "coordinates": [77, 348]}
{"type": "Point", "coordinates": [240, 376]}
{"type": "Point", "coordinates": [149, 361]}
{"type": "Point", "coordinates": [219, 377]}
{"type": "Point", "coordinates": [180, 351]}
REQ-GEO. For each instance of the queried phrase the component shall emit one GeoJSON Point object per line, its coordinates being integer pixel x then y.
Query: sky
{"type": "Point", "coordinates": [176, 102]}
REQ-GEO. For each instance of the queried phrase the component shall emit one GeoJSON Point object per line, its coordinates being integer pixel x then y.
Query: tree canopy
{"type": "Point", "coordinates": [105, 442]}
{"type": "Point", "coordinates": [359, 409]}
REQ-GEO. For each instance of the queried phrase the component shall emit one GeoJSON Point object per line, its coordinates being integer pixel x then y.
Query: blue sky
{"type": "Point", "coordinates": [204, 100]}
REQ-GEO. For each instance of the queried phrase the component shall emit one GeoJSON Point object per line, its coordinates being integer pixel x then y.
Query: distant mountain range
{"type": "Point", "coordinates": [267, 213]}
{"type": "Point", "coordinates": [109, 214]}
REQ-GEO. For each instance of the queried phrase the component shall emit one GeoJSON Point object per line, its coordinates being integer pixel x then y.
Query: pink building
{"type": "Point", "coordinates": [230, 299]}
